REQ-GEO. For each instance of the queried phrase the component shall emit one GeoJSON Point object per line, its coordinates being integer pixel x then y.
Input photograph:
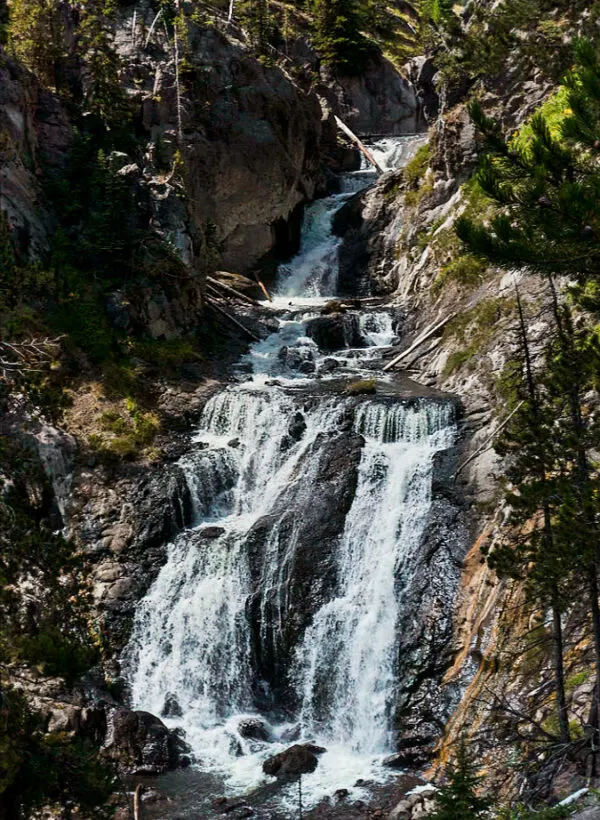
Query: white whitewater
{"type": "Point", "coordinates": [190, 657]}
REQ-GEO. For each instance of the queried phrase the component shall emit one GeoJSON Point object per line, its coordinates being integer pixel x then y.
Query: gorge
{"type": "Point", "coordinates": [298, 460]}
{"type": "Point", "coordinates": [285, 601]}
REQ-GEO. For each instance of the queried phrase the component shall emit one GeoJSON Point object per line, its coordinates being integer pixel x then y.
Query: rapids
{"type": "Point", "coordinates": [224, 633]}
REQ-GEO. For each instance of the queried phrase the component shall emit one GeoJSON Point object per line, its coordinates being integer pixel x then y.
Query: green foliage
{"type": "Point", "coordinates": [465, 270]}
{"type": "Point", "coordinates": [35, 36]}
{"type": "Point", "coordinates": [459, 798]}
{"type": "Point", "coordinates": [545, 183]}
{"type": "Point", "coordinates": [338, 37]}
{"type": "Point", "coordinates": [41, 769]}
{"type": "Point", "coordinates": [474, 328]}
{"type": "Point", "coordinates": [520, 812]}
{"type": "Point", "coordinates": [414, 171]}
{"type": "Point", "coordinates": [261, 25]}
{"type": "Point", "coordinates": [164, 353]}
{"type": "Point", "coordinates": [130, 432]}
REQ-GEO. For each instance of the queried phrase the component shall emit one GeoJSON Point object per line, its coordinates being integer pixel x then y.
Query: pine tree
{"type": "Point", "coordinates": [103, 96]}
{"type": "Point", "coordinates": [459, 798]}
{"type": "Point", "coordinates": [34, 34]}
{"type": "Point", "coordinates": [533, 551]}
{"type": "Point", "coordinates": [547, 188]}
{"type": "Point", "coordinates": [547, 192]}
{"type": "Point", "coordinates": [338, 36]}
{"type": "Point", "coordinates": [257, 19]}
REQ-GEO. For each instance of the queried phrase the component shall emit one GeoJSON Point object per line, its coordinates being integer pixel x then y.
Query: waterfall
{"type": "Point", "coordinates": [346, 663]}
{"type": "Point", "coordinates": [225, 602]}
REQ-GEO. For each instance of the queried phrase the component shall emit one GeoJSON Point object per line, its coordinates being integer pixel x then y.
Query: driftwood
{"type": "Point", "coordinates": [488, 441]}
{"type": "Point", "coordinates": [261, 286]}
{"type": "Point", "coordinates": [218, 309]}
{"type": "Point", "coordinates": [427, 334]}
{"type": "Point", "coordinates": [231, 291]}
{"type": "Point", "coordinates": [421, 353]}
{"type": "Point", "coordinates": [30, 356]}
{"type": "Point", "coordinates": [137, 802]}
{"type": "Point", "coordinates": [343, 127]}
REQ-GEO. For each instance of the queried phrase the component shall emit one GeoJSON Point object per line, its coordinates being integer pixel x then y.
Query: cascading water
{"type": "Point", "coordinates": [226, 601]}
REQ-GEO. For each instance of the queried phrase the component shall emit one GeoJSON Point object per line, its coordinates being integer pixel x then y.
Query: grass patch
{"type": "Point", "coordinates": [362, 387]}
{"type": "Point", "coordinates": [466, 270]}
{"type": "Point", "coordinates": [126, 432]}
{"type": "Point", "coordinates": [475, 328]}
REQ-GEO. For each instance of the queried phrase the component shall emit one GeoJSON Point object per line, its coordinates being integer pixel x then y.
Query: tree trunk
{"type": "Point", "coordinates": [559, 673]}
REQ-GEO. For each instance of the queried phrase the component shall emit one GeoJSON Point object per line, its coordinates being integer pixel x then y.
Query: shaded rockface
{"type": "Point", "coordinates": [309, 528]}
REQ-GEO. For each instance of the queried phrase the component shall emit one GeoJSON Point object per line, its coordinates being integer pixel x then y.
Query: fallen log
{"type": "Point", "coordinates": [427, 334]}
{"type": "Point", "coordinates": [343, 127]}
{"type": "Point", "coordinates": [261, 286]}
{"type": "Point", "coordinates": [232, 291]}
{"type": "Point", "coordinates": [486, 444]}
{"type": "Point", "coordinates": [218, 309]}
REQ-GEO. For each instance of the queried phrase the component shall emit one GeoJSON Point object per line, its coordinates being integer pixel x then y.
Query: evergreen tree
{"type": "Point", "coordinates": [533, 550]}
{"type": "Point", "coordinates": [547, 188]}
{"type": "Point", "coordinates": [34, 34]}
{"type": "Point", "coordinates": [256, 17]}
{"type": "Point", "coordinates": [103, 96]}
{"type": "Point", "coordinates": [459, 798]}
{"type": "Point", "coordinates": [338, 36]}
{"type": "Point", "coordinates": [547, 192]}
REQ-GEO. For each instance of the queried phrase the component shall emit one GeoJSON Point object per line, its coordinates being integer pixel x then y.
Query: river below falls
{"type": "Point", "coordinates": [234, 643]}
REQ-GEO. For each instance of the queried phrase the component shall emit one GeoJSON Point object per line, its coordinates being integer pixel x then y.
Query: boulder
{"type": "Point", "coordinates": [293, 762]}
{"type": "Point", "coordinates": [401, 812]}
{"type": "Point", "coordinates": [171, 707]}
{"type": "Point", "coordinates": [140, 744]}
{"type": "Point", "coordinates": [253, 728]}
{"type": "Point", "coordinates": [336, 331]}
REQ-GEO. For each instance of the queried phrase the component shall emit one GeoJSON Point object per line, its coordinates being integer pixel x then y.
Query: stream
{"type": "Point", "coordinates": [275, 618]}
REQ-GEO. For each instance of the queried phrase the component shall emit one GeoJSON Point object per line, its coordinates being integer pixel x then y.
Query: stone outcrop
{"type": "Point", "coordinates": [312, 525]}
{"type": "Point", "coordinates": [34, 130]}
{"type": "Point", "coordinates": [379, 101]}
{"type": "Point", "coordinates": [248, 141]}
{"type": "Point", "coordinates": [140, 744]}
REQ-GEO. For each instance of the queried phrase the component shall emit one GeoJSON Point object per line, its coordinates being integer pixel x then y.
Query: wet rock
{"type": "Point", "coordinates": [255, 729]}
{"type": "Point", "coordinates": [337, 331]}
{"type": "Point", "coordinates": [140, 744]}
{"type": "Point", "coordinates": [341, 794]}
{"type": "Point", "coordinates": [297, 428]}
{"type": "Point", "coordinates": [308, 531]}
{"type": "Point", "coordinates": [234, 443]}
{"type": "Point", "coordinates": [291, 734]}
{"type": "Point", "coordinates": [421, 71]}
{"type": "Point", "coordinates": [329, 365]}
{"type": "Point", "coordinates": [293, 762]}
{"type": "Point", "coordinates": [211, 533]}
{"type": "Point", "coordinates": [232, 806]}
{"type": "Point", "coordinates": [171, 707]}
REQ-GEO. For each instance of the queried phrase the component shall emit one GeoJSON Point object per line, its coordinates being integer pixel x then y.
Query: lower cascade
{"type": "Point", "coordinates": [279, 610]}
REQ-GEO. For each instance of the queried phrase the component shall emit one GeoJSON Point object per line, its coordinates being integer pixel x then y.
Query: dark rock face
{"type": "Point", "coordinates": [421, 72]}
{"type": "Point", "coordinates": [429, 587]}
{"type": "Point", "coordinates": [308, 529]}
{"type": "Point", "coordinates": [335, 332]}
{"type": "Point", "coordinates": [295, 761]}
{"type": "Point", "coordinates": [35, 127]}
{"type": "Point", "coordinates": [380, 101]}
{"type": "Point", "coordinates": [140, 743]}
{"type": "Point", "coordinates": [252, 155]}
